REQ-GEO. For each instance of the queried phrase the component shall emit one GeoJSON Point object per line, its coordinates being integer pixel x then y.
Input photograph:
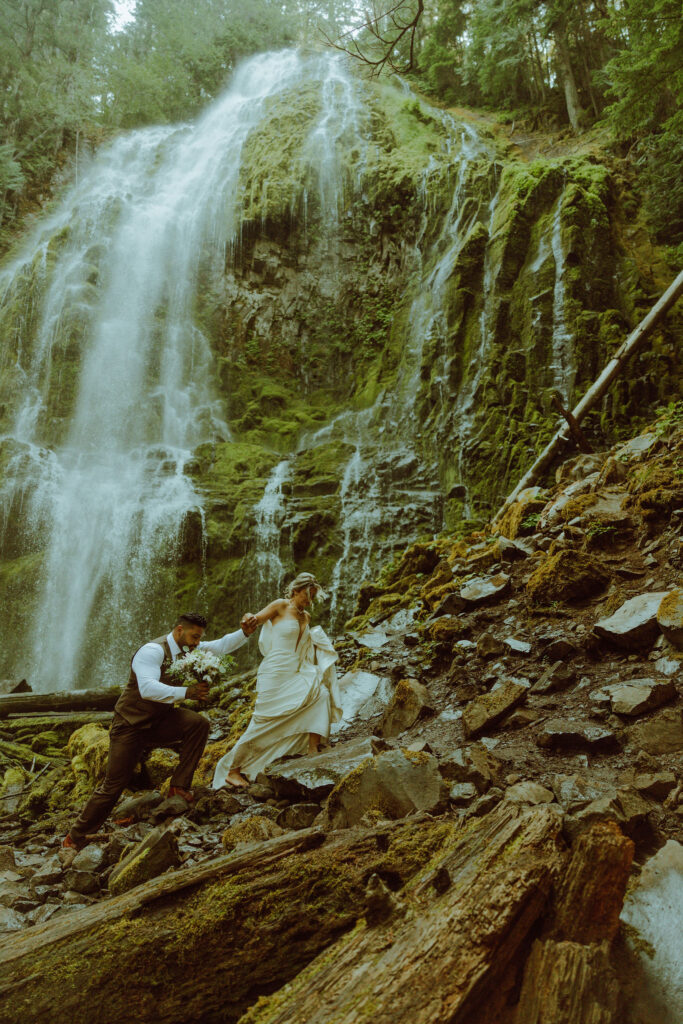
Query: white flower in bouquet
{"type": "Point", "coordinates": [199, 666]}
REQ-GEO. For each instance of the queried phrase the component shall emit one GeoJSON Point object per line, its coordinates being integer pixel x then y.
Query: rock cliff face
{"type": "Point", "coordinates": [321, 323]}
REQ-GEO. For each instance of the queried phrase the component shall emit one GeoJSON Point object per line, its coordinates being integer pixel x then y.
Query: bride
{"type": "Point", "coordinates": [297, 695]}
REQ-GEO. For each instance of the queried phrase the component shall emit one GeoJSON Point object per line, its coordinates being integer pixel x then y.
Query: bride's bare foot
{"type": "Point", "coordinates": [236, 780]}
{"type": "Point", "coordinates": [313, 743]}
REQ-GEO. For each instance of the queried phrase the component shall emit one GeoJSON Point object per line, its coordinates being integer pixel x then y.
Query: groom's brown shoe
{"type": "Point", "coordinates": [72, 844]}
{"type": "Point", "coordinates": [186, 794]}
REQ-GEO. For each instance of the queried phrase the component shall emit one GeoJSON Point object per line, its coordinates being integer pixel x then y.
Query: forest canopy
{"type": "Point", "coordinates": [70, 75]}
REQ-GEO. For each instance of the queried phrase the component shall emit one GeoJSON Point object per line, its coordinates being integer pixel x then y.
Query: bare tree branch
{"type": "Point", "coordinates": [388, 32]}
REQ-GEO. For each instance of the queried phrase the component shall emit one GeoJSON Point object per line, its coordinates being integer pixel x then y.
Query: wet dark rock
{"type": "Point", "coordinates": [562, 734]}
{"type": "Point", "coordinates": [298, 816]}
{"type": "Point", "coordinates": [49, 874]}
{"type": "Point", "coordinates": [574, 792]}
{"type": "Point", "coordinates": [452, 604]}
{"type": "Point", "coordinates": [43, 913]}
{"type": "Point", "coordinates": [411, 639]}
{"type": "Point", "coordinates": [260, 792]}
{"type": "Point", "coordinates": [172, 807]}
{"type": "Point", "coordinates": [512, 550]}
{"type": "Point", "coordinates": [81, 881]}
{"type": "Point", "coordinates": [488, 709]}
{"type": "Point", "coordinates": [90, 858]}
{"type": "Point", "coordinates": [257, 811]}
{"type": "Point", "coordinates": [138, 807]}
{"type": "Point", "coordinates": [515, 646]}
{"type": "Point", "coordinates": [634, 625]}
{"type": "Point", "coordinates": [10, 920]}
{"type": "Point", "coordinates": [555, 647]}
{"type": "Point", "coordinates": [314, 777]}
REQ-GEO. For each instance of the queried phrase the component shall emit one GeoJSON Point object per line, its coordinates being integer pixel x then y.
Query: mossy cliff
{"type": "Point", "coordinates": [391, 321]}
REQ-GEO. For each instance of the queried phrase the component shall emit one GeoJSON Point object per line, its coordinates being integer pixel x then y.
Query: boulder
{"type": "Point", "coordinates": [250, 830]}
{"type": "Point", "coordinates": [635, 624]}
{"type": "Point", "coordinates": [556, 647]}
{"type": "Point", "coordinates": [10, 920]}
{"type": "Point", "coordinates": [660, 734]}
{"type": "Point", "coordinates": [485, 588]}
{"type": "Point", "coordinates": [298, 816]}
{"type": "Point", "coordinates": [520, 518]}
{"type": "Point", "coordinates": [157, 852]}
{"type": "Point", "coordinates": [488, 709]}
{"type": "Point", "coordinates": [409, 702]}
{"type": "Point", "coordinates": [14, 686]}
{"type": "Point", "coordinates": [567, 576]}
{"type": "Point", "coordinates": [562, 734]}
{"type": "Point", "coordinates": [636, 696]}
{"type": "Point", "coordinates": [653, 909]}
{"type": "Point", "coordinates": [160, 765]}
{"type": "Point", "coordinates": [573, 792]}
{"type": "Point", "coordinates": [462, 793]}
{"type": "Point", "coordinates": [395, 783]}
{"type": "Point", "coordinates": [452, 604]}
{"type": "Point", "coordinates": [670, 617]}
{"type": "Point", "coordinates": [172, 807]}
{"type": "Point", "coordinates": [314, 777]}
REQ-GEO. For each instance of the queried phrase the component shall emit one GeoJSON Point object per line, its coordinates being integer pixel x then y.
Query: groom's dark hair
{"type": "Point", "coordinates": [191, 619]}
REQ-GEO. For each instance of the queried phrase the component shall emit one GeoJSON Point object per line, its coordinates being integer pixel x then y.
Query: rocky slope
{"type": "Point", "coordinates": [507, 772]}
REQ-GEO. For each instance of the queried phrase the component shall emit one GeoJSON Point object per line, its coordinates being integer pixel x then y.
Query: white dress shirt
{"type": "Point", "coordinates": [148, 660]}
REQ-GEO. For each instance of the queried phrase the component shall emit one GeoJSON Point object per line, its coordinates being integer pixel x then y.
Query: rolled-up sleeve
{"type": "Point", "coordinates": [147, 668]}
{"type": "Point", "coordinates": [226, 644]}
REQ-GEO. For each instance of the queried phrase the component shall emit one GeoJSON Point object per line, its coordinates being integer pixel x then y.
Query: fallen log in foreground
{"type": "Point", "coordinates": [68, 700]}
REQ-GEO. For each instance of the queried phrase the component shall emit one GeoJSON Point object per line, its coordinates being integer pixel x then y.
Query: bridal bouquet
{"type": "Point", "coordinates": [200, 666]}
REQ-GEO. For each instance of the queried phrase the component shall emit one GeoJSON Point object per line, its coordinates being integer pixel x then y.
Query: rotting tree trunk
{"type": "Point", "coordinates": [68, 700]}
{"type": "Point", "coordinates": [449, 958]}
{"type": "Point", "coordinates": [597, 389]}
{"type": "Point", "coordinates": [203, 953]}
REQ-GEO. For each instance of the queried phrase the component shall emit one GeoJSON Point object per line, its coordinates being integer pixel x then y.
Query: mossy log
{"type": "Point", "coordinates": [240, 926]}
{"type": "Point", "coordinates": [458, 949]}
{"type": "Point", "coordinates": [69, 700]}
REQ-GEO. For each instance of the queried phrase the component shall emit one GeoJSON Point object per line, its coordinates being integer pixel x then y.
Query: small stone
{"type": "Point", "coordinates": [660, 734]}
{"type": "Point", "coordinates": [481, 589]}
{"type": "Point", "coordinates": [472, 764]}
{"type": "Point", "coordinates": [260, 792]}
{"type": "Point", "coordinates": [90, 858]}
{"type": "Point", "coordinates": [251, 830]}
{"type": "Point", "coordinates": [462, 793]}
{"type": "Point", "coordinates": [517, 646]}
{"type": "Point", "coordinates": [73, 899]}
{"type": "Point", "coordinates": [657, 786]}
{"type": "Point", "coordinates": [49, 874]}
{"type": "Point", "coordinates": [485, 803]}
{"type": "Point", "coordinates": [81, 881]}
{"type": "Point", "coordinates": [573, 792]}
{"type": "Point", "coordinates": [639, 695]}
{"type": "Point", "coordinates": [138, 807]}
{"type": "Point", "coordinates": [298, 816]}
{"type": "Point", "coordinates": [488, 709]}
{"type": "Point", "coordinates": [560, 734]}
{"type": "Point", "coordinates": [411, 639]}
{"type": "Point", "coordinates": [667, 666]}
{"type": "Point", "coordinates": [172, 807]}
{"type": "Point", "coordinates": [67, 856]}
{"type": "Point", "coordinates": [489, 646]}
{"type": "Point", "coordinates": [42, 914]}
{"type": "Point", "coordinates": [670, 617]}
{"type": "Point", "coordinates": [6, 858]}
{"type": "Point", "coordinates": [558, 648]}
{"type": "Point", "coordinates": [10, 920]}
{"type": "Point", "coordinates": [529, 793]}
{"type": "Point", "coordinates": [522, 717]}
{"type": "Point", "coordinates": [452, 604]}
{"type": "Point", "coordinates": [635, 624]}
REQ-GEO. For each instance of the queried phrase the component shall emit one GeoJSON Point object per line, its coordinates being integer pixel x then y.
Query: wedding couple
{"type": "Point", "coordinates": [297, 699]}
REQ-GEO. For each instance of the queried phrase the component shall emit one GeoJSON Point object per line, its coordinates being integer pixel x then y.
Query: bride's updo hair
{"type": "Point", "coordinates": [306, 581]}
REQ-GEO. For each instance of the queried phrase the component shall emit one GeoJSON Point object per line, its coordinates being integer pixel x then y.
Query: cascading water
{"type": "Point", "coordinates": [562, 364]}
{"type": "Point", "coordinates": [110, 280]}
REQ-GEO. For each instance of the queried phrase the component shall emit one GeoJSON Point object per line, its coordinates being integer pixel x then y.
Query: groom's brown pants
{"type": "Point", "coordinates": [127, 743]}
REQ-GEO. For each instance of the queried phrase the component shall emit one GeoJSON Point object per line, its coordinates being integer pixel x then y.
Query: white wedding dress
{"type": "Point", "coordinates": [296, 693]}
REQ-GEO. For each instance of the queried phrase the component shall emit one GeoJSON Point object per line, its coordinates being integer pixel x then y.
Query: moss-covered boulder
{"type": "Point", "coordinates": [250, 830]}
{"type": "Point", "coordinates": [567, 576]}
{"type": "Point", "coordinates": [160, 765]}
{"type": "Point", "coordinates": [90, 743]}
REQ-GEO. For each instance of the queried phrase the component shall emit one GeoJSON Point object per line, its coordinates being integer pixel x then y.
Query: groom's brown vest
{"type": "Point", "coordinates": [134, 708]}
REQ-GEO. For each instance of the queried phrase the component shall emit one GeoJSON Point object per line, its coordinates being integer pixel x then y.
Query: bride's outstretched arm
{"type": "Point", "coordinates": [271, 611]}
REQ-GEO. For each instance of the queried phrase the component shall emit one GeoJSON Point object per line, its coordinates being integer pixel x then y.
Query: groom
{"type": "Point", "coordinates": [145, 717]}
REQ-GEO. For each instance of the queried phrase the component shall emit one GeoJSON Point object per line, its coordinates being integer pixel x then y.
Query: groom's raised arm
{"type": "Point", "coordinates": [232, 641]}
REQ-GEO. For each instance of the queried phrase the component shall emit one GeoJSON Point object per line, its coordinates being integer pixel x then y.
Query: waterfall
{"type": "Point", "coordinates": [95, 479]}
{"type": "Point", "coordinates": [270, 515]}
{"type": "Point", "coordinates": [562, 364]}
